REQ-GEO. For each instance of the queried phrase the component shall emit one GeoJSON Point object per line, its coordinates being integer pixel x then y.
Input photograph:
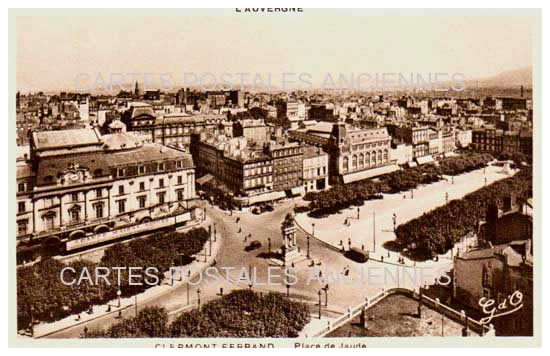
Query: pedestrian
{"type": "Point", "coordinates": [85, 331]}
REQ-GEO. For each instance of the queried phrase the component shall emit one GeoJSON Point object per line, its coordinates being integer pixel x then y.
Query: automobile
{"type": "Point", "coordinates": [257, 211]}
{"type": "Point", "coordinates": [268, 208]}
{"type": "Point", "coordinates": [254, 245]}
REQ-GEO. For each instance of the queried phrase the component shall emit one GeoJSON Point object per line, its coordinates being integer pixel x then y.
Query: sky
{"type": "Point", "coordinates": [63, 53]}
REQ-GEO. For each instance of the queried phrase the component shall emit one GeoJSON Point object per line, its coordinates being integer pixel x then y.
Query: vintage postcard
{"type": "Point", "coordinates": [274, 177]}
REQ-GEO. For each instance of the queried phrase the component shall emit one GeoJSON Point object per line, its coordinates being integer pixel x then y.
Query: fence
{"type": "Point", "coordinates": [369, 302]}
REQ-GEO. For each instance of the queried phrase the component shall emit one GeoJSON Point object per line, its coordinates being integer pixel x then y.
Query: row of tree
{"type": "Point", "coordinates": [437, 231]}
{"type": "Point", "coordinates": [354, 194]}
{"type": "Point", "coordinates": [242, 313]}
{"type": "Point", "coordinates": [40, 286]}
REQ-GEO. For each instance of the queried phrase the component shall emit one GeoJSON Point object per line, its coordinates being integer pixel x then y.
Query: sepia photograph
{"type": "Point", "coordinates": [274, 177]}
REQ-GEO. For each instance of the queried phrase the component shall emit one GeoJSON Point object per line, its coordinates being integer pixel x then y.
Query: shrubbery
{"type": "Point", "coordinates": [39, 286]}
{"type": "Point", "coordinates": [242, 313]}
{"type": "Point", "coordinates": [343, 196]}
{"type": "Point", "coordinates": [437, 231]}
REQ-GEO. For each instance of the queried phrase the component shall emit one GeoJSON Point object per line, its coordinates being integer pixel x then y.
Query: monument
{"type": "Point", "coordinates": [289, 250]}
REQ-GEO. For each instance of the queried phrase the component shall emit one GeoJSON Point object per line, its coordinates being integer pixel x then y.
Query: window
{"type": "Point", "coordinates": [180, 179]}
{"type": "Point", "coordinates": [22, 227]}
{"type": "Point", "coordinates": [48, 222]}
{"type": "Point", "coordinates": [21, 207]}
{"type": "Point", "coordinates": [161, 166]}
{"type": "Point", "coordinates": [99, 211]}
{"type": "Point", "coordinates": [121, 206]}
{"type": "Point", "coordinates": [75, 215]}
{"type": "Point", "coordinates": [141, 185]}
{"type": "Point", "coordinates": [74, 196]}
{"type": "Point", "coordinates": [142, 199]}
{"type": "Point", "coordinates": [120, 172]}
{"type": "Point", "coordinates": [161, 183]}
{"type": "Point", "coordinates": [181, 195]}
{"type": "Point", "coordinates": [161, 197]}
{"type": "Point", "coordinates": [99, 193]}
{"type": "Point", "coordinates": [120, 189]}
{"type": "Point", "coordinates": [141, 169]}
{"type": "Point", "coordinates": [178, 164]}
{"type": "Point", "coordinates": [21, 187]}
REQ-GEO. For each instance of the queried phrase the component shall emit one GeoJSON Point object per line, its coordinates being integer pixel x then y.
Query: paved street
{"type": "Point", "coordinates": [329, 264]}
{"type": "Point", "coordinates": [332, 229]}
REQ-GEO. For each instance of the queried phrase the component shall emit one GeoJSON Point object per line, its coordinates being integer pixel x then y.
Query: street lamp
{"type": "Point", "coordinates": [307, 241]}
{"type": "Point", "coordinates": [118, 293]}
{"type": "Point", "coordinates": [199, 298]}
{"type": "Point", "coordinates": [325, 288]}
{"type": "Point", "coordinates": [269, 244]}
{"type": "Point", "coordinates": [32, 321]}
{"type": "Point", "coordinates": [319, 303]}
{"type": "Point", "coordinates": [394, 218]}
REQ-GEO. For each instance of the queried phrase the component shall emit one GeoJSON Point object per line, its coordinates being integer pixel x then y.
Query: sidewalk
{"type": "Point", "coordinates": [374, 226]}
{"type": "Point", "coordinates": [196, 267]}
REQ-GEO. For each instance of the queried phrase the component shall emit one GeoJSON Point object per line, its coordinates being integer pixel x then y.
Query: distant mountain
{"type": "Point", "coordinates": [511, 78]}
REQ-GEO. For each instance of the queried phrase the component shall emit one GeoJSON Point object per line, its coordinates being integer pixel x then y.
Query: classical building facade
{"type": "Point", "coordinates": [170, 129]}
{"type": "Point", "coordinates": [79, 183]}
{"type": "Point", "coordinates": [354, 153]}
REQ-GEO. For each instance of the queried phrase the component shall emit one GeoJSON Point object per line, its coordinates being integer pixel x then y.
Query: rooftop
{"type": "Point", "coordinates": [62, 138]}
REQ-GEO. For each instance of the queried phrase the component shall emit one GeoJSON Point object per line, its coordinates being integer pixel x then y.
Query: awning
{"type": "Point", "coordinates": [297, 191]}
{"type": "Point", "coordinates": [425, 159]}
{"type": "Point", "coordinates": [369, 173]}
{"type": "Point", "coordinates": [412, 164]}
{"type": "Point", "coordinates": [204, 179]}
{"type": "Point", "coordinates": [450, 154]}
{"type": "Point", "coordinates": [271, 196]}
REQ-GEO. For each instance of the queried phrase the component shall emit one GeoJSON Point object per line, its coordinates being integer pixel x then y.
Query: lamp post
{"type": "Point", "coordinates": [452, 179]}
{"type": "Point", "coordinates": [307, 241]}
{"type": "Point", "coordinates": [214, 232]}
{"type": "Point", "coordinates": [319, 303]}
{"type": "Point", "coordinates": [269, 244]}
{"type": "Point", "coordinates": [325, 288]}
{"type": "Point", "coordinates": [358, 212]}
{"type": "Point", "coordinates": [199, 298]}
{"type": "Point", "coordinates": [394, 218]}
{"type": "Point", "coordinates": [118, 293]}
{"type": "Point", "coordinates": [312, 229]}
{"type": "Point", "coordinates": [210, 245]}
{"type": "Point", "coordinates": [32, 321]}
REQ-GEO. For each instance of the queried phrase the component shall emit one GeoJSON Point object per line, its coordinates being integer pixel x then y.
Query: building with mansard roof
{"type": "Point", "coordinates": [78, 184]}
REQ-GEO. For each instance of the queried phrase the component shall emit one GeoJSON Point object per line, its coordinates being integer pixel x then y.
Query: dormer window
{"type": "Point", "coordinates": [120, 172]}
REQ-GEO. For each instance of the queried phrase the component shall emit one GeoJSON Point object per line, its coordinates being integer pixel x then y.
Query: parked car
{"type": "Point", "coordinates": [254, 245]}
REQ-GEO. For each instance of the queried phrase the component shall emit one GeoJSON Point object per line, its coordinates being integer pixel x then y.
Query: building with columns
{"type": "Point", "coordinates": [79, 183]}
